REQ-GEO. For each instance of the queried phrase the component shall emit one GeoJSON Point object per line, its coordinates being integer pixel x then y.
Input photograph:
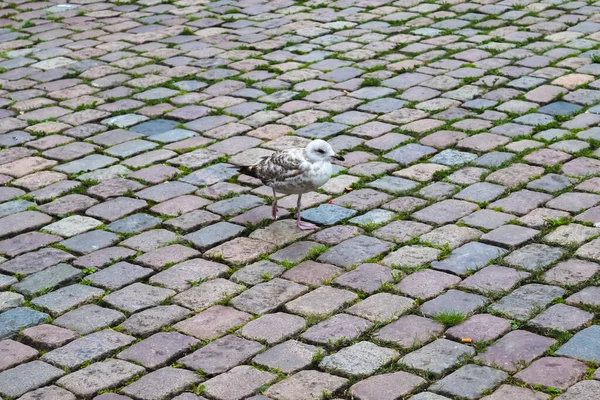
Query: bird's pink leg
{"type": "Point", "coordinates": [305, 226]}
{"type": "Point", "coordinates": [274, 206]}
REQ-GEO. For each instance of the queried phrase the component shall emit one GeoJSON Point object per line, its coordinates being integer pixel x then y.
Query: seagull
{"type": "Point", "coordinates": [295, 171]}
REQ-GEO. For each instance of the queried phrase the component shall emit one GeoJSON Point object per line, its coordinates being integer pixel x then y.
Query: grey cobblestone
{"type": "Point", "coordinates": [469, 187]}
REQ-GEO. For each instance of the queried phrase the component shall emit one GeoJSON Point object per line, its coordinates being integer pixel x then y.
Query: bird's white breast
{"type": "Point", "coordinates": [315, 175]}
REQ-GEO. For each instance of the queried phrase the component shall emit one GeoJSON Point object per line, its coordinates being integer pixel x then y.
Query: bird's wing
{"type": "Point", "coordinates": [281, 166]}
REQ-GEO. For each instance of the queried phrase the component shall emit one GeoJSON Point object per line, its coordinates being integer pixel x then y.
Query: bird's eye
{"type": "Point", "coordinates": [321, 151]}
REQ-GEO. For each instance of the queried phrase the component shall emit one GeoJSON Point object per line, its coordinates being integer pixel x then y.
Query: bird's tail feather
{"type": "Point", "coordinates": [248, 170]}
{"type": "Point", "coordinates": [252, 170]}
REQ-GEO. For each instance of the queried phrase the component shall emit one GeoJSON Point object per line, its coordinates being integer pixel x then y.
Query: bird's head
{"type": "Point", "coordinates": [320, 150]}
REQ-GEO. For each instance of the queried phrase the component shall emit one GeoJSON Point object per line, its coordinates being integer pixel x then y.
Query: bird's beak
{"type": "Point", "coordinates": [338, 157]}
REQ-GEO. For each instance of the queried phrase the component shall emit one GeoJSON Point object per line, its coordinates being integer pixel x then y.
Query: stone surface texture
{"type": "Point", "coordinates": [456, 251]}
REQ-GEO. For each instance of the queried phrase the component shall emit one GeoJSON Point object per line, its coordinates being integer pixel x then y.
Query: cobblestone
{"type": "Point", "coordinates": [288, 357]}
{"type": "Point", "coordinates": [581, 347]}
{"type": "Point", "coordinates": [165, 382]}
{"type": "Point", "coordinates": [99, 376]}
{"type": "Point", "coordinates": [122, 130]}
{"type": "Point", "coordinates": [248, 381]}
{"type": "Point", "coordinates": [306, 384]}
{"type": "Point", "coordinates": [515, 350]}
{"type": "Point", "coordinates": [158, 349]}
{"type": "Point", "coordinates": [470, 381]}
{"type": "Point", "coordinates": [555, 372]}
{"type": "Point", "coordinates": [88, 348]}
{"type": "Point", "coordinates": [26, 377]}
{"type": "Point", "coordinates": [222, 355]}
{"type": "Point", "coordinates": [362, 358]}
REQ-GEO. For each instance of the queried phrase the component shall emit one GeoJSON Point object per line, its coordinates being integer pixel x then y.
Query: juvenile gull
{"type": "Point", "coordinates": [295, 171]}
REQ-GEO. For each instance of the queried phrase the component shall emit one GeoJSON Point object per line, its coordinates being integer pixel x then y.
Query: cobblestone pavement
{"type": "Point", "coordinates": [456, 258]}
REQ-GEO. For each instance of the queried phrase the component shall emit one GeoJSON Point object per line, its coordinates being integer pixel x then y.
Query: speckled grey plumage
{"type": "Point", "coordinates": [290, 172]}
